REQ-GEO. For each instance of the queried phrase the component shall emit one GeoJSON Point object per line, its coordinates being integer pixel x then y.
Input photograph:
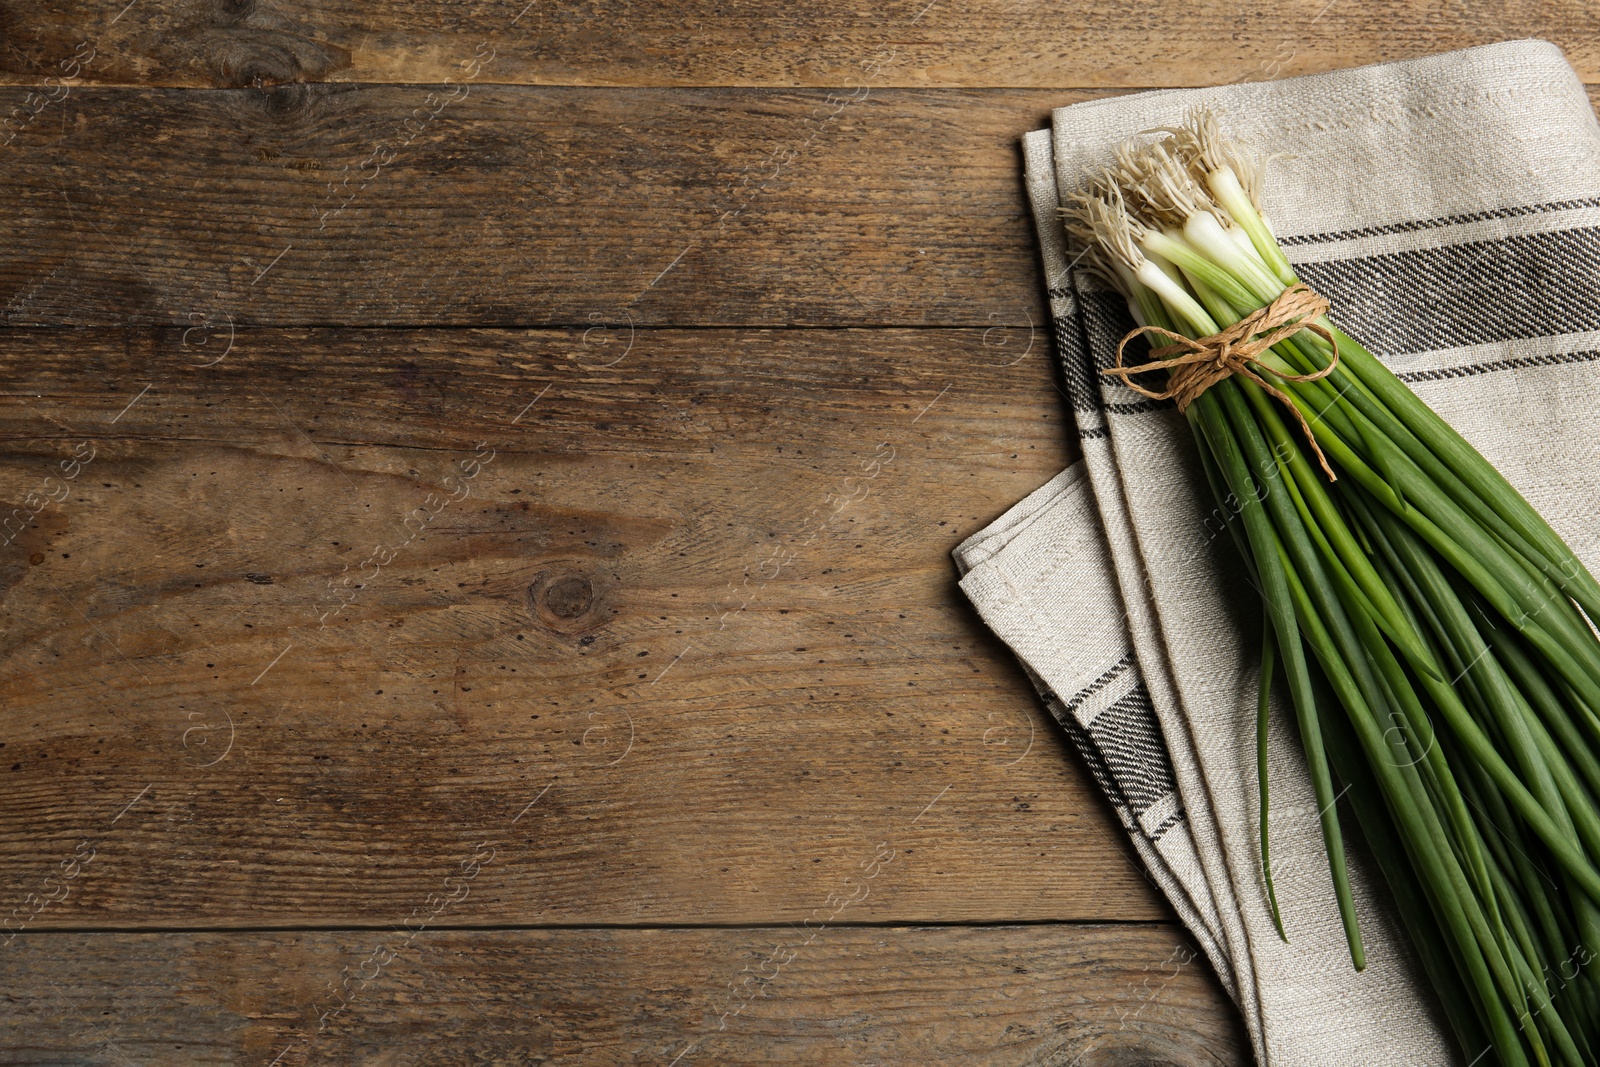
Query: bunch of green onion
{"type": "Point", "coordinates": [1431, 629]}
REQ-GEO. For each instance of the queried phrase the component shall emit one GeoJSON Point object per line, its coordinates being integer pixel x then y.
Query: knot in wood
{"type": "Point", "coordinates": [567, 601]}
{"type": "Point", "coordinates": [569, 597]}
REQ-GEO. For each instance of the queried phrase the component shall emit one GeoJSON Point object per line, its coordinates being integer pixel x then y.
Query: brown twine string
{"type": "Point", "coordinates": [1197, 365]}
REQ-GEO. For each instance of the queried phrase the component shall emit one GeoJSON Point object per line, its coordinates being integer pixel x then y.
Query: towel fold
{"type": "Point", "coordinates": [1449, 207]}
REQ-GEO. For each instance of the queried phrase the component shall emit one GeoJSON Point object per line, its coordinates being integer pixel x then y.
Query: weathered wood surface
{"type": "Point", "coordinates": [907, 42]}
{"type": "Point", "coordinates": [695, 606]}
{"type": "Point", "coordinates": [317, 205]}
{"type": "Point", "coordinates": [684, 654]}
{"type": "Point", "coordinates": [1094, 996]}
{"type": "Point", "coordinates": [347, 205]}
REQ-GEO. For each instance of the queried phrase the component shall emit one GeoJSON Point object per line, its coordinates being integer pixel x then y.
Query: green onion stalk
{"type": "Point", "coordinates": [1429, 629]}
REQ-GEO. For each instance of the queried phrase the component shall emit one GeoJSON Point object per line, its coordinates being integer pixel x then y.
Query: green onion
{"type": "Point", "coordinates": [1429, 627]}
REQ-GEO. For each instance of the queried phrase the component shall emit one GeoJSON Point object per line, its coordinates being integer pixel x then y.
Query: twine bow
{"type": "Point", "coordinates": [1197, 365]}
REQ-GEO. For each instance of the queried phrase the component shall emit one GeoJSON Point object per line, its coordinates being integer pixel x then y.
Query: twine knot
{"type": "Point", "coordinates": [1196, 365]}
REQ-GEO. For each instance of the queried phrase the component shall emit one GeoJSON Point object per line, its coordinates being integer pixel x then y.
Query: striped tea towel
{"type": "Point", "coordinates": [1449, 207]}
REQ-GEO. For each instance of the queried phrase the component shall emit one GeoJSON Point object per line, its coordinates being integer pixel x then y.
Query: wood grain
{"type": "Point", "coordinates": [1094, 996]}
{"type": "Point", "coordinates": [906, 42]}
{"type": "Point", "coordinates": [522, 207]}
{"type": "Point", "coordinates": [682, 675]}
{"type": "Point", "coordinates": [696, 608]}
{"type": "Point", "coordinates": [345, 205]}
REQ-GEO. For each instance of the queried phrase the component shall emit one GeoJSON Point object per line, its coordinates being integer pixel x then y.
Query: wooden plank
{"type": "Point", "coordinates": [689, 648]}
{"type": "Point", "coordinates": [700, 42]}
{"type": "Point", "coordinates": [994, 995]}
{"type": "Point", "coordinates": [345, 205]}
{"type": "Point", "coordinates": [522, 206]}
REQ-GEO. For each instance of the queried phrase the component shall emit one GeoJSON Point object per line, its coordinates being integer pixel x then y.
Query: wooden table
{"type": "Point", "coordinates": [481, 481]}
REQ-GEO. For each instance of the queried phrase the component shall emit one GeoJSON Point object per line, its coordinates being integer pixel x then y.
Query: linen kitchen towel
{"type": "Point", "coordinates": [1449, 207]}
{"type": "Point", "coordinates": [1104, 707]}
